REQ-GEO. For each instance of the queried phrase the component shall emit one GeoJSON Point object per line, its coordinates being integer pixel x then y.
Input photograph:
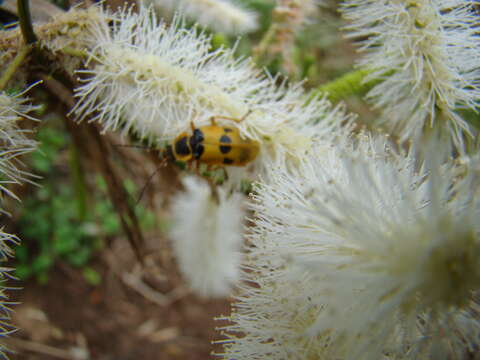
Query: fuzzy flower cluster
{"type": "Point", "coordinates": [426, 52]}
{"type": "Point", "coordinates": [7, 241]}
{"type": "Point", "coordinates": [13, 143]}
{"type": "Point", "coordinates": [14, 140]}
{"type": "Point", "coordinates": [67, 33]}
{"type": "Point", "coordinates": [207, 236]}
{"type": "Point", "coordinates": [158, 80]}
{"type": "Point", "coordinates": [227, 16]}
{"type": "Point", "coordinates": [71, 30]}
{"type": "Point", "coordinates": [363, 254]}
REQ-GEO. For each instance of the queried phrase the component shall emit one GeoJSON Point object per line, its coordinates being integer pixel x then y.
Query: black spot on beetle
{"type": "Point", "coordinates": [198, 151]}
{"type": "Point", "coordinates": [197, 136]}
{"type": "Point", "coordinates": [227, 129]}
{"type": "Point", "coordinates": [225, 139]}
{"type": "Point", "coordinates": [225, 149]}
{"type": "Point", "coordinates": [227, 161]}
{"type": "Point", "coordinates": [196, 143]}
{"type": "Point", "coordinates": [181, 147]}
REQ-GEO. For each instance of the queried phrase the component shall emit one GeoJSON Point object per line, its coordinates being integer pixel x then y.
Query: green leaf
{"type": "Point", "coordinates": [92, 276]}
{"type": "Point", "coordinates": [80, 257]}
{"type": "Point", "coordinates": [64, 242]}
{"type": "Point", "coordinates": [41, 164]}
{"type": "Point", "coordinates": [42, 262]}
{"type": "Point", "coordinates": [42, 278]}
{"type": "Point", "coordinates": [23, 271]}
{"type": "Point", "coordinates": [110, 224]}
{"type": "Point", "coordinates": [21, 253]}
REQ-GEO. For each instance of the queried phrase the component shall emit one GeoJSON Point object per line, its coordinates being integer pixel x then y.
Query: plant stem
{"type": "Point", "coordinates": [74, 52]}
{"type": "Point", "coordinates": [261, 49]}
{"type": "Point", "coordinates": [13, 66]}
{"type": "Point", "coordinates": [26, 21]}
{"type": "Point", "coordinates": [349, 84]}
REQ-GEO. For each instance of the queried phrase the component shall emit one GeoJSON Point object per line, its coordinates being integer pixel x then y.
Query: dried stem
{"type": "Point", "coordinates": [117, 193]}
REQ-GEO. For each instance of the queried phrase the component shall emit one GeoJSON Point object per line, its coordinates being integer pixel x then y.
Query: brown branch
{"type": "Point", "coordinates": [117, 193]}
{"type": "Point", "coordinates": [99, 151]}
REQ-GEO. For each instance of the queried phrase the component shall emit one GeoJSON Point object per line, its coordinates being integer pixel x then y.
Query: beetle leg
{"type": "Point", "coordinates": [192, 125]}
{"type": "Point", "coordinates": [225, 173]}
{"type": "Point", "coordinates": [231, 117]}
{"type": "Point", "coordinates": [214, 191]}
{"type": "Point", "coordinates": [193, 166]}
{"type": "Point", "coordinates": [197, 168]}
{"type": "Point", "coordinates": [224, 118]}
{"type": "Point", "coordinates": [212, 120]}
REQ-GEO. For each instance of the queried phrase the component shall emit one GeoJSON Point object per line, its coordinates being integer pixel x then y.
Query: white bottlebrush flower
{"type": "Point", "coordinates": [68, 33]}
{"type": "Point", "coordinates": [14, 140]}
{"type": "Point", "coordinates": [227, 16]}
{"type": "Point", "coordinates": [12, 109]}
{"type": "Point", "coordinates": [427, 53]}
{"type": "Point", "coordinates": [156, 80]}
{"type": "Point", "coordinates": [207, 236]}
{"type": "Point", "coordinates": [6, 252]}
{"type": "Point", "coordinates": [364, 254]}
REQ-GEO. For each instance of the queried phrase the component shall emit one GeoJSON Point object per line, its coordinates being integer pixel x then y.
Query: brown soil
{"type": "Point", "coordinates": [134, 313]}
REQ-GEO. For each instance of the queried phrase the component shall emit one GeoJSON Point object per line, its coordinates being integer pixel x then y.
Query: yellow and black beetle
{"type": "Point", "coordinates": [214, 145]}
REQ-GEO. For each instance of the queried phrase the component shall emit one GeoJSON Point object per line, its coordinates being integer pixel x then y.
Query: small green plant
{"type": "Point", "coordinates": [54, 224]}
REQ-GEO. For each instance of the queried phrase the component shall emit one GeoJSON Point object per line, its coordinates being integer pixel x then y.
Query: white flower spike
{"type": "Point", "coordinates": [226, 16]}
{"type": "Point", "coordinates": [362, 255]}
{"type": "Point", "coordinates": [427, 53]}
{"type": "Point", "coordinates": [12, 110]}
{"type": "Point", "coordinates": [156, 80]}
{"type": "Point", "coordinates": [207, 236]}
{"type": "Point", "coordinates": [13, 139]}
{"type": "Point", "coordinates": [14, 142]}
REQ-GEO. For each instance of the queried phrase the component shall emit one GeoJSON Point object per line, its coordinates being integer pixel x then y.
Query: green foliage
{"type": "Point", "coordinates": [245, 44]}
{"type": "Point", "coordinates": [91, 276]}
{"type": "Point", "coordinates": [264, 10]}
{"type": "Point", "coordinates": [53, 226]}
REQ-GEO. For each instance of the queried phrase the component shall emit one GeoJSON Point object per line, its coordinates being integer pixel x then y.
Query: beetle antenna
{"type": "Point", "coordinates": [150, 178]}
{"type": "Point", "coordinates": [132, 146]}
{"type": "Point", "coordinates": [237, 120]}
